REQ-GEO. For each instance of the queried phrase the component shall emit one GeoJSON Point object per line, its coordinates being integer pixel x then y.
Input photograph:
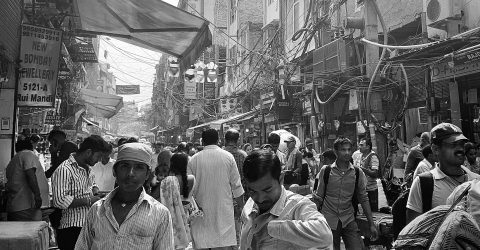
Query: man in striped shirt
{"type": "Point", "coordinates": [73, 186]}
{"type": "Point", "coordinates": [128, 218]}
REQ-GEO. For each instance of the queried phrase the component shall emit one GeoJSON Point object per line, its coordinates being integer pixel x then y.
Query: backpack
{"type": "Point", "coordinates": [399, 207]}
{"type": "Point", "coordinates": [435, 227]}
{"type": "Point", "coordinates": [326, 176]}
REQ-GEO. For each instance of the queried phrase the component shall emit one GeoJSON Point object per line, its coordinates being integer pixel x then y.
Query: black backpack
{"type": "Point", "coordinates": [326, 176]}
{"type": "Point", "coordinates": [399, 207]}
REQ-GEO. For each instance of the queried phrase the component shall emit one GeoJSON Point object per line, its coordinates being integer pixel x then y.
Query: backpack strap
{"type": "Point", "coordinates": [355, 192]}
{"type": "Point", "coordinates": [326, 176]}
{"type": "Point", "coordinates": [426, 185]}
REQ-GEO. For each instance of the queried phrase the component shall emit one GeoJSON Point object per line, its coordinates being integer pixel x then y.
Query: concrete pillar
{"type": "Point", "coordinates": [455, 104]}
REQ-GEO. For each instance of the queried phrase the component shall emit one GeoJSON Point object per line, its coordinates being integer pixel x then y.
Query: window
{"type": "Point", "coordinates": [296, 16]}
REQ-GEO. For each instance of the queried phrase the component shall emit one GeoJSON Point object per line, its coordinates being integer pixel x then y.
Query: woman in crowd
{"type": "Point", "coordinates": [247, 148]}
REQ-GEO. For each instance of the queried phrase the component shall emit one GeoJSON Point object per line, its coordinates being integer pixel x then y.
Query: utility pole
{"type": "Point", "coordinates": [372, 58]}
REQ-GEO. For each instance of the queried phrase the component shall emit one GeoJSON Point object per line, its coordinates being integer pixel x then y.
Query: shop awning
{"type": "Point", "coordinates": [218, 123]}
{"type": "Point", "coordinates": [100, 104]}
{"type": "Point", "coordinates": [151, 24]}
{"type": "Point", "coordinates": [91, 123]}
{"type": "Point", "coordinates": [439, 50]}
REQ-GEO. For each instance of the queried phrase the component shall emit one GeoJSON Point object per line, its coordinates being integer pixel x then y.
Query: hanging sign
{"type": "Point", "coordinates": [39, 54]}
{"type": "Point", "coordinates": [127, 89]}
{"type": "Point", "coordinates": [210, 81]}
{"type": "Point", "coordinates": [190, 89]}
{"type": "Point", "coordinates": [53, 118]}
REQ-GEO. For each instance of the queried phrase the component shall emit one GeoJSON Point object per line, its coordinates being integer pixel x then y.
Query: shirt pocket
{"type": "Point", "coordinates": [135, 241]}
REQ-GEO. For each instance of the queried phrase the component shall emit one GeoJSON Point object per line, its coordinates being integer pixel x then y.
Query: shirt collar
{"type": "Point", "coordinates": [277, 207]}
{"type": "Point", "coordinates": [438, 174]}
{"type": "Point", "coordinates": [210, 147]}
{"type": "Point", "coordinates": [334, 165]}
{"type": "Point", "coordinates": [107, 201]}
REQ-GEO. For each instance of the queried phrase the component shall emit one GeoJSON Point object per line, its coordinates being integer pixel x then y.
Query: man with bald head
{"type": "Point", "coordinates": [415, 156]}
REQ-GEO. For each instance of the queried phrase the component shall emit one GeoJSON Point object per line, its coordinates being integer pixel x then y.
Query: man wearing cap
{"type": "Point", "coordinates": [309, 147]}
{"type": "Point", "coordinates": [448, 146]}
{"type": "Point", "coordinates": [128, 218]}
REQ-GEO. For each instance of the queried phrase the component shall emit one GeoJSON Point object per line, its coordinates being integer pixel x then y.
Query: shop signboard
{"type": "Point", "coordinates": [468, 57]}
{"type": "Point", "coordinates": [127, 89]}
{"type": "Point", "coordinates": [190, 89]}
{"type": "Point", "coordinates": [52, 118]}
{"type": "Point", "coordinates": [40, 54]}
{"type": "Point", "coordinates": [445, 70]}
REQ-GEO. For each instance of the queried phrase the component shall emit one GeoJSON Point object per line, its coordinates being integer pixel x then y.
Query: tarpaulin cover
{"type": "Point", "coordinates": [150, 24]}
{"type": "Point", "coordinates": [100, 104]}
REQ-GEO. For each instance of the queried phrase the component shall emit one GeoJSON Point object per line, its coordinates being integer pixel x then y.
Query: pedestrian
{"type": "Point", "coordinates": [274, 141]}
{"type": "Point", "coordinates": [275, 218]}
{"type": "Point", "coordinates": [103, 171]}
{"type": "Point", "coordinates": [426, 164]}
{"type": "Point", "coordinates": [247, 148]}
{"type": "Point", "coordinates": [128, 218]}
{"type": "Point", "coordinates": [294, 156]}
{"type": "Point", "coordinates": [218, 184]}
{"type": "Point", "coordinates": [35, 140]}
{"type": "Point", "coordinates": [161, 171]}
{"type": "Point", "coordinates": [74, 190]}
{"type": "Point", "coordinates": [60, 150]}
{"type": "Point", "coordinates": [341, 187]}
{"type": "Point", "coordinates": [27, 186]}
{"type": "Point", "coordinates": [309, 147]}
{"type": "Point", "coordinates": [471, 161]}
{"type": "Point", "coordinates": [448, 144]}
{"type": "Point", "coordinates": [370, 165]}
{"type": "Point", "coordinates": [328, 157]}
{"type": "Point", "coordinates": [415, 156]}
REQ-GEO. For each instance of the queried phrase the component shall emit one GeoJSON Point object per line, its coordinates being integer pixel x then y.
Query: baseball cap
{"type": "Point", "coordinates": [290, 138]}
{"type": "Point", "coordinates": [446, 132]}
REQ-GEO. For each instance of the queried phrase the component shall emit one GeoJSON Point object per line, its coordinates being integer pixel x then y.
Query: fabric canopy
{"type": "Point", "coordinates": [150, 24]}
{"type": "Point", "coordinates": [100, 104]}
{"type": "Point", "coordinates": [218, 123]}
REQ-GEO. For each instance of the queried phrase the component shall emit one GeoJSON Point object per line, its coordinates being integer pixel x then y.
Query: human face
{"type": "Point", "coordinates": [471, 155]}
{"type": "Point", "coordinates": [163, 165]}
{"type": "Point", "coordinates": [450, 154]}
{"type": "Point", "coordinates": [362, 146]}
{"type": "Point", "coordinates": [265, 192]}
{"type": "Point", "coordinates": [105, 158]}
{"type": "Point", "coordinates": [130, 175]}
{"type": "Point", "coordinates": [344, 152]}
{"type": "Point", "coordinates": [275, 146]}
{"type": "Point", "coordinates": [309, 146]}
{"type": "Point", "coordinates": [248, 149]}
{"type": "Point", "coordinates": [94, 157]}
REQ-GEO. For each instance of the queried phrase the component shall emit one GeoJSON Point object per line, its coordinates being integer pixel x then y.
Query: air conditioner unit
{"type": "Point", "coordinates": [335, 57]}
{"type": "Point", "coordinates": [440, 11]}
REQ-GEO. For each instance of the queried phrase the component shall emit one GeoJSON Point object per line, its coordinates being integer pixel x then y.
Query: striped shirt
{"type": "Point", "coordinates": [148, 225]}
{"type": "Point", "coordinates": [69, 182]}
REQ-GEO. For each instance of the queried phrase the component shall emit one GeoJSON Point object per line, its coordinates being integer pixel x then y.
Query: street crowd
{"type": "Point", "coordinates": [135, 196]}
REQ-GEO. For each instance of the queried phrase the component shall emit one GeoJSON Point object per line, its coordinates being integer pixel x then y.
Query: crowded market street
{"type": "Point", "coordinates": [239, 124]}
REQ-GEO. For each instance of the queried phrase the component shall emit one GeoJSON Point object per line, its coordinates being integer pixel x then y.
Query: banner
{"type": "Point", "coordinates": [39, 54]}
{"type": "Point", "coordinates": [128, 89]}
{"type": "Point", "coordinates": [209, 88]}
{"type": "Point", "coordinates": [53, 118]}
{"type": "Point", "coordinates": [190, 89]}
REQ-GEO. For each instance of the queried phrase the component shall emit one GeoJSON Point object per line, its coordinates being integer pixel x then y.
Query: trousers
{"type": "Point", "coordinates": [350, 235]}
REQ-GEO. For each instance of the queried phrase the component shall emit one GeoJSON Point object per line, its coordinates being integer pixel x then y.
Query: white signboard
{"type": "Point", "coordinates": [39, 55]}
{"type": "Point", "coordinates": [190, 89]}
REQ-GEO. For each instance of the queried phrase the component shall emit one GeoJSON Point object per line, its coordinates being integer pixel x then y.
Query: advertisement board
{"type": "Point", "coordinates": [127, 89]}
{"type": "Point", "coordinates": [39, 55]}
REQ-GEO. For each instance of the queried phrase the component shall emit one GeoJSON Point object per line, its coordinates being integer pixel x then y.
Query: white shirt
{"type": "Point", "coordinates": [423, 166]}
{"type": "Point", "coordinates": [357, 158]}
{"type": "Point", "coordinates": [217, 179]}
{"type": "Point", "coordinates": [104, 175]}
{"type": "Point", "coordinates": [443, 186]}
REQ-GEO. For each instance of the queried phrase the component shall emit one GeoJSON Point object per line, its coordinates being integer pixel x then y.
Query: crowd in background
{"type": "Point", "coordinates": [210, 196]}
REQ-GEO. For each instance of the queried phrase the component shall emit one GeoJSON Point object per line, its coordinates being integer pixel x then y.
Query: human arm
{"type": "Point", "coordinates": [363, 200]}
{"type": "Point", "coordinates": [318, 194]}
{"type": "Point", "coordinates": [163, 239]}
{"type": "Point", "coordinates": [87, 234]}
{"type": "Point", "coordinates": [414, 202]}
{"type": "Point", "coordinates": [234, 178]}
{"type": "Point", "coordinates": [298, 162]}
{"type": "Point", "coordinates": [373, 170]}
{"type": "Point", "coordinates": [308, 228]}
{"type": "Point", "coordinates": [61, 192]}
{"type": "Point", "coordinates": [33, 184]}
